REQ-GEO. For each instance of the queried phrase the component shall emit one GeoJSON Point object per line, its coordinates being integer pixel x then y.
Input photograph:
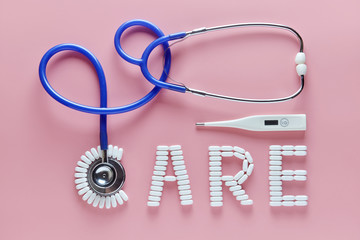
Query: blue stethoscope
{"type": "Point", "coordinates": [142, 62]}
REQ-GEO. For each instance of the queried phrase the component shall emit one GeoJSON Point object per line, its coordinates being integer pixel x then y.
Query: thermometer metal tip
{"type": "Point", "coordinates": [284, 122]}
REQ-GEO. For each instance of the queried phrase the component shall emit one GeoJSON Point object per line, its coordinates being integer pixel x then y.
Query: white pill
{"type": "Point", "coordinates": [287, 153]}
{"type": "Point", "coordinates": [215, 158]}
{"type": "Point", "coordinates": [156, 188]}
{"type": "Point", "coordinates": [82, 185]}
{"type": "Point", "coordinates": [179, 167]}
{"type": "Point", "coordinates": [177, 163]}
{"type": "Point", "coordinates": [288, 203]}
{"type": "Point", "coordinates": [123, 195]}
{"type": "Point", "coordinates": [287, 148]}
{"type": "Point", "coordinates": [120, 154]}
{"type": "Point", "coordinates": [215, 183]}
{"type": "Point", "coordinates": [275, 168]}
{"type": "Point", "coordinates": [300, 148]}
{"type": "Point", "coordinates": [108, 202]}
{"type": "Point", "coordinates": [275, 173]}
{"type": "Point", "coordinates": [245, 165]}
{"type": "Point", "coordinates": [242, 197]}
{"type": "Point", "coordinates": [215, 178]}
{"type": "Point", "coordinates": [113, 201]}
{"type": "Point", "coordinates": [249, 157]}
{"type": "Point", "coordinates": [216, 194]}
{"type": "Point", "coordinates": [80, 180]}
{"type": "Point", "coordinates": [176, 153]}
{"type": "Point", "coordinates": [300, 58]}
{"type": "Point", "coordinates": [301, 198]}
{"type": "Point", "coordinates": [214, 164]}
{"type": "Point", "coordinates": [287, 172]}
{"type": "Point", "coordinates": [275, 147]}
{"type": "Point", "coordinates": [159, 173]}
{"type": "Point", "coordinates": [180, 157]}
{"type": "Point", "coordinates": [80, 175]}
{"type": "Point", "coordinates": [275, 204]}
{"type": "Point", "coordinates": [91, 198]}
{"type": "Point", "coordinates": [89, 156]}
{"type": "Point", "coordinates": [230, 183]}
{"type": "Point", "coordinates": [216, 199]}
{"type": "Point", "coordinates": [118, 199]}
{"type": "Point", "coordinates": [238, 193]}
{"type": "Point", "coordinates": [162, 153]}
{"type": "Point", "coordinates": [187, 202]}
{"type": "Point", "coordinates": [157, 178]}
{"type": "Point", "coordinates": [157, 183]}
{"type": "Point", "coordinates": [182, 177]}
{"type": "Point", "coordinates": [250, 169]}
{"type": "Point", "coordinates": [184, 192]}
{"type": "Point", "coordinates": [216, 204]}
{"type": "Point", "coordinates": [215, 174]}
{"type": "Point", "coordinates": [287, 178]}
{"type": "Point", "coordinates": [81, 170]}
{"type": "Point", "coordinates": [243, 179]}
{"type": "Point", "coordinates": [301, 69]}
{"type": "Point", "coordinates": [274, 178]}
{"type": "Point", "coordinates": [159, 168]}
{"type": "Point", "coordinates": [226, 148]}
{"type": "Point", "coordinates": [239, 175]}
{"type": "Point", "coordinates": [162, 148]}
{"type": "Point", "coordinates": [183, 182]}
{"type": "Point", "coordinates": [300, 172]}
{"type": "Point", "coordinates": [214, 189]}
{"type": "Point", "coordinates": [162, 158]}
{"type": "Point", "coordinates": [186, 197]}
{"type": "Point", "coordinates": [227, 178]}
{"type": "Point", "coordinates": [275, 199]}
{"type": "Point", "coordinates": [153, 204]}
{"type": "Point", "coordinates": [184, 187]}
{"type": "Point", "coordinates": [275, 158]}
{"type": "Point", "coordinates": [275, 183]}
{"type": "Point", "coordinates": [155, 193]}
{"type": "Point", "coordinates": [161, 163]}
{"type": "Point", "coordinates": [115, 151]}
{"type": "Point", "coordinates": [82, 164]}
{"type": "Point", "coordinates": [95, 153]}
{"type": "Point", "coordinates": [275, 153]}
{"type": "Point", "coordinates": [174, 147]}
{"type": "Point", "coordinates": [227, 154]}
{"type": "Point", "coordinates": [301, 203]}
{"type": "Point", "coordinates": [154, 198]}
{"type": "Point", "coordinates": [275, 193]}
{"type": "Point", "coordinates": [275, 163]}
{"type": "Point", "coordinates": [214, 148]}
{"type": "Point", "coordinates": [288, 197]}
{"type": "Point", "coordinates": [275, 188]}
{"type": "Point", "coordinates": [110, 150]}
{"type": "Point", "coordinates": [239, 155]}
{"type": "Point", "coordinates": [170, 178]}
{"type": "Point", "coordinates": [239, 150]}
{"type": "Point", "coordinates": [235, 188]}
{"type": "Point", "coordinates": [215, 153]}
{"type": "Point", "coordinates": [85, 159]}
{"type": "Point", "coordinates": [300, 153]}
{"type": "Point", "coordinates": [215, 168]}
{"type": "Point", "coordinates": [300, 178]}
{"type": "Point", "coordinates": [247, 202]}
{"type": "Point", "coordinates": [181, 172]}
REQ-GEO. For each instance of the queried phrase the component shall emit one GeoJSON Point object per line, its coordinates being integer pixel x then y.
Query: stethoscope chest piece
{"type": "Point", "coordinates": [100, 177]}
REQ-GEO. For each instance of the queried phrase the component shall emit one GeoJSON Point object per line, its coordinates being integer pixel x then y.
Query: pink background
{"type": "Point", "coordinates": [42, 140]}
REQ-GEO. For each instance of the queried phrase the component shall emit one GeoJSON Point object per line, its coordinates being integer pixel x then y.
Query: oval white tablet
{"type": "Point", "coordinates": [214, 148]}
{"type": "Point", "coordinates": [300, 172]}
{"type": "Point", "coordinates": [301, 197]}
{"type": "Point", "coordinates": [226, 148]}
{"type": "Point", "coordinates": [275, 163]}
{"type": "Point", "coordinates": [275, 168]}
{"type": "Point", "coordinates": [230, 183]}
{"type": "Point", "coordinates": [153, 204]}
{"type": "Point", "coordinates": [235, 188]}
{"type": "Point", "coordinates": [287, 172]}
{"type": "Point", "coordinates": [288, 203]}
{"type": "Point", "coordinates": [239, 150]}
{"type": "Point", "coordinates": [243, 179]}
{"type": "Point", "coordinates": [275, 147]}
{"type": "Point", "coordinates": [238, 175]}
{"type": "Point", "coordinates": [175, 147]}
{"type": "Point", "coordinates": [275, 183]}
{"type": "Point", "coordinates": [227, 178]}
{"type": "Point", "coordinates": [239, 155]}
{"type": "Point", "coordinates": [170, 178]}
{"type": "Point", "coordinates": [162, 148]}
{"type": "Point", "coordinates": [288, 197]}
{"type": "Point", "coordinates": [247, 202]}
{"type": "Point", "coordinates": [300, 178]}
{"type": "Point", "coordinates": [216, 204]}
{"type": "Point", "coordinates": [215, 189]}
{"type": "Point", "coordinates": [287, 178]}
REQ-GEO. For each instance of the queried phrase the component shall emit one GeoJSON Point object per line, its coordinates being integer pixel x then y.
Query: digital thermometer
{"type": "Point", "coordinates": [285, 122]}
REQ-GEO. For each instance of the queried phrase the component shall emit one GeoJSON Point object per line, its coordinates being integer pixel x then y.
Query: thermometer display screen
{"type": "Point", "coordinates": [271, 122]}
